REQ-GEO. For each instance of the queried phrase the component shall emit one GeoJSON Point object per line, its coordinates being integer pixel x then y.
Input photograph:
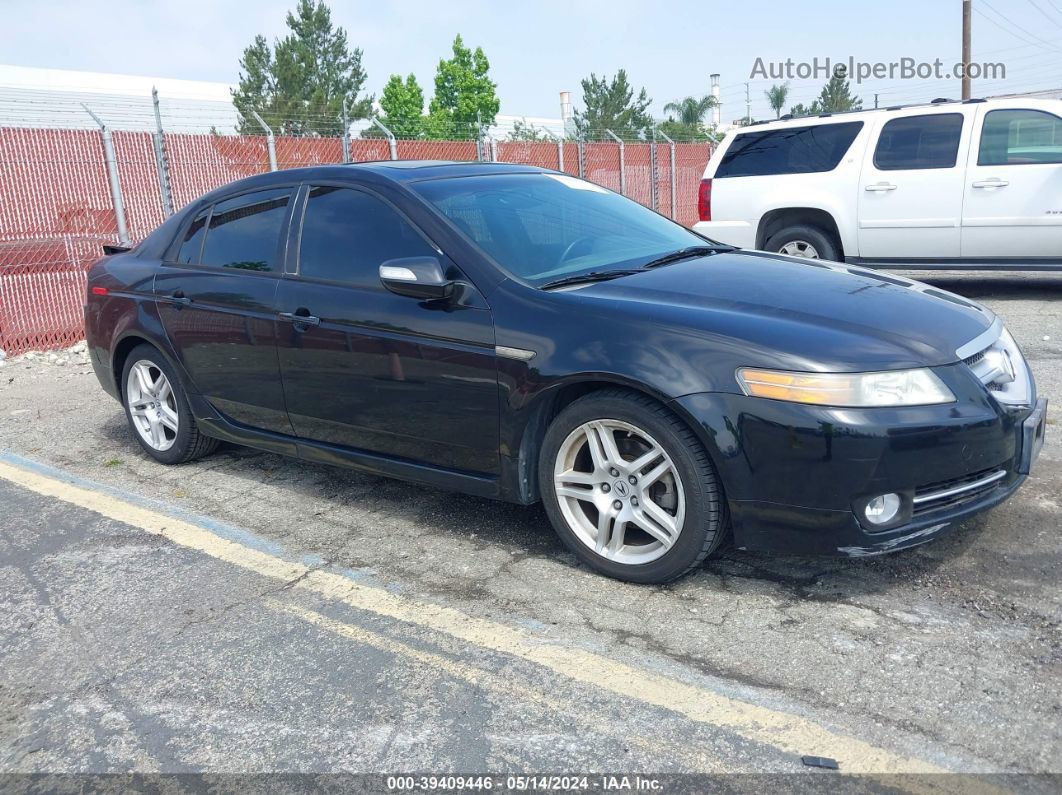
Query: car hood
{"type": "Point", "coordinates": [801, 314]}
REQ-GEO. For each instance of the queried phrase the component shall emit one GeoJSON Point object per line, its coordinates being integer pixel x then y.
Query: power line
{"type": "Point", "coordinates": [1049, 18]}
{"type": "Point", "coordinates": [1015, 25]}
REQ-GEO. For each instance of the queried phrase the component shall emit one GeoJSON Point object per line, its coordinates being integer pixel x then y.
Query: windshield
{"type": "Point", "coordinates": [545, 227]}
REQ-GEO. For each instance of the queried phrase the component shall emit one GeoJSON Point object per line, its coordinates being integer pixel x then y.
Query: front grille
{"type": "Point", "coordinates": [957, 491]}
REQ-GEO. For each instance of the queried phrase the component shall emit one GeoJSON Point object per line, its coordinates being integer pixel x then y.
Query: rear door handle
{"type": "Point", "coordinates": [881, 186]}
{"type": "Point", "coordinates": [300, 319]}
{"type": "Point", "coordinates": [995, 182]}
{"type": "Point", "coordinates": [178, 298]}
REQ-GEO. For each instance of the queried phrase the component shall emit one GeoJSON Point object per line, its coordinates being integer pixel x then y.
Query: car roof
{"type": "Point", "coordinates": [1031, 103]}
{"type": "Point", "coordinates": [395, 171]}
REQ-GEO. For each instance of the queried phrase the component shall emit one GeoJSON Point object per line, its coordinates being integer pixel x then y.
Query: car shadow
{"type": "Point", "coordinates": [525, 531]}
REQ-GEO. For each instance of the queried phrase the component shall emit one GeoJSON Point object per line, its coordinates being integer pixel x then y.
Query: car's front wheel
{"type": "Point", "coordinates": [629, 488]}
{"type": "Point", "coordinates": [158, 411]}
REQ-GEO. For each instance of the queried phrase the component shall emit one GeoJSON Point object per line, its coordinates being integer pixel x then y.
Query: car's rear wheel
{"type": "Point", "coordinates": [805, 241]}
{"type": "Point", "coordinates": [157, 409]}
{"type": "Point", "coordinates": [629, 488]}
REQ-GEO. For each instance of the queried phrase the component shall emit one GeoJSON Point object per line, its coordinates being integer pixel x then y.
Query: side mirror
{"type": "Point", "coordinates": [416, 277]}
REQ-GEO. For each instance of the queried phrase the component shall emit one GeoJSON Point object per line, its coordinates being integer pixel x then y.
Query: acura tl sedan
{"type": "Point", "coordinates": [520, 334]}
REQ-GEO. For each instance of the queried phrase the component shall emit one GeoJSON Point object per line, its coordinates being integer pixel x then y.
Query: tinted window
{"type": "Point", "coordinates": [919, 142]}
{"type": "Point", "coordinates": [541, 227]}
{"type": "Point", "coordinates": [792, 150]}
{"type": "Point", "coordinates": [193, 239]}
{"type": "Point", "coordinates": [346, 234]}
{"type": "Point", "coordinates": [245, 232]}
{"type": "Point", "coordinates": [1016, 137]}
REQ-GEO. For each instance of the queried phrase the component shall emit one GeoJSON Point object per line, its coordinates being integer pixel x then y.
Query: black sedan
{"type": "Point", "coordinates": [520, 334]}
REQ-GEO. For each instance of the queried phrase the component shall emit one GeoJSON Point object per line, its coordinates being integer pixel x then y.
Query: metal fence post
{"type": "Point", "coordinates": [581, 147]}
{"type": "Point", "coordinates": [112, 177]}
{"type": "Point", "coordinates": [623, 165]}
{"type": "Point", "coordinates": [560, 149]}
{"type": "Point", "coordinates": [672, 145]}
{"type": "Point", "coordinates": [653, 172]}
{"type": "Point", "coordinates": [346, 134]}
{"type": "Point", "coordinates": [161, 163]}
{"type": "Point", "coordinates": [493, 148]}
{"type": "Point", "coordinates": [391, 143]}
{"type": "Point", "coordinates": [270, 142]}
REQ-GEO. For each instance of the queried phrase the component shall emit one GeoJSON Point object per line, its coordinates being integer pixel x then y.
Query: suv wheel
{"type": "Point", "coordinates": [804, 241]}
{"type": "Point", "coordinates": [629, 488]}
{"type": "Point", "coordinates": [158, 411]}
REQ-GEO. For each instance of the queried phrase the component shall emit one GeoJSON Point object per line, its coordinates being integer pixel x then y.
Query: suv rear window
{"type": "Point", "coordinates": [791, 150]}
{"type": "Point", "coordinates": [919, 142]}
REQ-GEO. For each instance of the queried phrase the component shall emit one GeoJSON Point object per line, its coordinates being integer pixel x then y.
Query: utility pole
{"type": "Point", "coordinates": [966, 21]}
{"type": "Point", "coordinates": [875, 102]}
{"type": "Point", "coordinates": [748, 105]}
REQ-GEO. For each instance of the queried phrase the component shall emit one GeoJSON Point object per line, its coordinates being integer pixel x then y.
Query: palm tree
{"type": "Point", "coordinates": [690, 110]}
{"type": "Point", "coordinates": [776, 97]}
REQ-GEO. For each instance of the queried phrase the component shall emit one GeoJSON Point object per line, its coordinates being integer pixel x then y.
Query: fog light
{"type": "Point", "coordinates": [883, 509]}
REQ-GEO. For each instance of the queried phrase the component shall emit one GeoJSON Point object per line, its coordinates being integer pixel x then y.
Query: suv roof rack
{"type": "Point", "coordinates": [937, 101]}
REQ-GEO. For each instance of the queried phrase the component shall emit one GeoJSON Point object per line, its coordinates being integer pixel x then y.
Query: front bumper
{"type": "Point", "coordinates": [796, 476]}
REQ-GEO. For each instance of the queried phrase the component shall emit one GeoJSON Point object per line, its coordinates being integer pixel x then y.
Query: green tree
{"type": "Point", "coordinates": [464, 95]}
{"type": "Point", "coordinates": [836, 96]}
{"type": "Point", "coordinates": [690, 110]}
{"type": "Point", "coordinates": [402, 103]}
{"type": "Point", "coordinates": [612, 105]}
{"type": "Point", "coordinates": [525, 131]}
{"type": "Point", "coordinates": [776, 97]}
{"type": "Point", "coordinates": [685, 121]}
{"type": "Point", "coordinates": [299, 85]}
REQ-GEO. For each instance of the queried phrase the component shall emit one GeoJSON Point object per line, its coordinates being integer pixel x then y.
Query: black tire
{"type": "Point", "coordinates": [189, 442]}
{"type": "Point", "coordinates": [704, 528]}
{"type": "Point", "coordinates": [824, 243]}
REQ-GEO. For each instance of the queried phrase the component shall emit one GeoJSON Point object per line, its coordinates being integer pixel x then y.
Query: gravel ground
{"type": "Point", "coordinates": [955, 647]}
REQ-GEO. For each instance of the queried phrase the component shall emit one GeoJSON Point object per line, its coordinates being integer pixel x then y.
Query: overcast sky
{"type": "Point", "coordinates": [540, 47]}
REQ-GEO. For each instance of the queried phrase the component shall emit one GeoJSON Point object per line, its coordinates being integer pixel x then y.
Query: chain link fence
{"type": "Point", "coordinates": [64, 193]}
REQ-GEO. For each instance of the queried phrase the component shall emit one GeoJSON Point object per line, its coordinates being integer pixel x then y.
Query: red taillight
{"type": "Point", "coordinates": [99, 291]}
{"type": "Point", "coordinates": [704, 200]}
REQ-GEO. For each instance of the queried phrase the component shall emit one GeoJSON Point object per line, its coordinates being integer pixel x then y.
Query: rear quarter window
{"type": "Point", "coordinates": [791, 150]}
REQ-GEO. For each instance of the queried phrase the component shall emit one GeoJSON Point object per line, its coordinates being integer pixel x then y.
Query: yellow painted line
{"type": "Point", "coordinates": [785, 731]}
{"type": "Point", "coordinates": [505, 687]}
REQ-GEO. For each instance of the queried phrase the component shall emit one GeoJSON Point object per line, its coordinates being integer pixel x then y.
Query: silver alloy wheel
{"type": "Point", "coordinates": [619, 491]}
{"type": "Point", "coordinates": [799, 248]}
{"type": "Point", "coordinates": [152, 405]}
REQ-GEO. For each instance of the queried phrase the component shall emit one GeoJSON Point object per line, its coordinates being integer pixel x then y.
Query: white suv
{"type": "Point", "coordinates": [974, 184]}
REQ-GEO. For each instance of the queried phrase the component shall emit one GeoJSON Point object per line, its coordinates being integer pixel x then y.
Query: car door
{"type": "Point", "coordinates": [1013, 204]}
{"type": "Point", "coordinates": [910, 187]}
{"type": "Point", "coordinates": [372, 371]}
{"type": "Point", "coordinates": [216, 298]}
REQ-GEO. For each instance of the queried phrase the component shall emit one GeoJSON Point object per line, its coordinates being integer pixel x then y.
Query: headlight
{"type": "Point", "coordinates": [865, 390]}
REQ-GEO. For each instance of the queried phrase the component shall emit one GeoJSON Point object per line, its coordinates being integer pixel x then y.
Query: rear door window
{"type": "Point", "coordinates": [1019, 137]}
{"type": "Point", "coordinates": [244, 232]}
{"type": "Point", "coordinates": [193, 240]}
{"type": "Point", "coordinates": [917, 142]}
{"type": "Point", "coordinates": [790, 150]}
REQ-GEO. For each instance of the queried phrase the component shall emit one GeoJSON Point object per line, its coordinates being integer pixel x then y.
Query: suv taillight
{"type": "Point", "coordinates": [704, 200]}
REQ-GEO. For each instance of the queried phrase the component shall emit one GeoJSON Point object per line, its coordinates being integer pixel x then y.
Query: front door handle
{"type": "Point", "coordinates": [881, 186]}
{"type": "Point", "coordinates": [178, 298]}
{"type": "Point", "coordinates": [300, 319]}
{"type": "Point", "coordinates": [995, 182]}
